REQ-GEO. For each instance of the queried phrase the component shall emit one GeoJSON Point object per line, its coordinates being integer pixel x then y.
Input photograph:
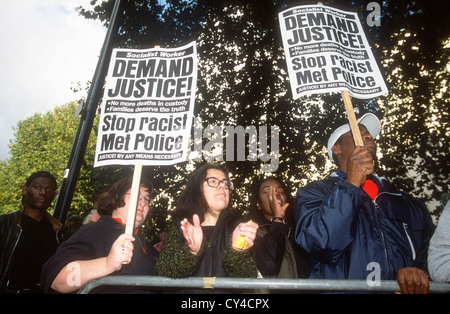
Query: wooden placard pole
{"type": "Point", "coordinates": [135, 187]}
{"type": "Point", "coordinates": [352, 119]}
{"type": "Point", "coordinates": [353, 122]}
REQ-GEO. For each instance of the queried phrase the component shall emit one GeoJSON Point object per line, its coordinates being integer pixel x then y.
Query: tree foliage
{"type": "Point", "coordinates": [243, 81]}
{"type": "Point", "coordinates": [42, 142]}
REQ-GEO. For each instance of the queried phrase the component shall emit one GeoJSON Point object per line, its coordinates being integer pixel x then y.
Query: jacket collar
{"type": "Point", "coordinates": [342, 175]}
{"type": "Point", "coordinates": [383, 183]}
{"type": "Point", "coordinates": [53, 221]}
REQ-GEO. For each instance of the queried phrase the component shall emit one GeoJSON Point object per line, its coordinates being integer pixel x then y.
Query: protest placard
{"type": "Point", "coordinates": [147, 107]}
{"type": "Point", "coordinates": [326, 50]}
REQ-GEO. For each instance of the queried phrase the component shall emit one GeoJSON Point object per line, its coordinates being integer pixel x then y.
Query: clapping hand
{"type": "Point", "coordinates": [192, 233]}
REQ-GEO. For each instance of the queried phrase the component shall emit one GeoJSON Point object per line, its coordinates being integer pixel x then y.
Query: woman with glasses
{"type": "Point", "coordinates": [200, 242]}
{"type": "Point", "coordinates": [103, 248]}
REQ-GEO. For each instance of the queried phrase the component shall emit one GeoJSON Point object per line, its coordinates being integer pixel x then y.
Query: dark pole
{"type": "Point", "coordinates": [63, 186]}
{"type": "Point", "coordinates": [72, 171]}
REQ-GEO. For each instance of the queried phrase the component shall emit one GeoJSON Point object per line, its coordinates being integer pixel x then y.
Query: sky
{"type": "Point", "coordinates": [46, 48]}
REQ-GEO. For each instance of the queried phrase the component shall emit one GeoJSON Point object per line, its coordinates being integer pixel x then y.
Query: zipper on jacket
{"type": "Point", "coordinates": [382, 234]}
{"type": "Point", "coordinates": [389, 193]}
{"type": "Point", "coordinates": [57, 236]}
{"type": "Point", "coordinates": [413, 251]}
{"type": "Point", "coordinates": [6, 273]}
{"type": "Point", "coordinates": [405, 227]}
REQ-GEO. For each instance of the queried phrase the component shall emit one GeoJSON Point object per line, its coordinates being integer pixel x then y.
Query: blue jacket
{"type": "Point", "coordinates": [350, 236]}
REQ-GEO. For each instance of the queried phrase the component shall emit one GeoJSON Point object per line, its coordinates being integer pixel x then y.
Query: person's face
{"type": "Point", "coordinates": [345, 145]}
{"type": "Point", "coordinates": [142, 207]}
{"type": "Point", "coordinates": [263, 196]}
{"type": "Point", "coordinates": [40, 194]}
{"type": "Point", "coordinates": [218, 197]}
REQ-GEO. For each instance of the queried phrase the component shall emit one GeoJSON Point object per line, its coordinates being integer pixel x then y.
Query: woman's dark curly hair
{"type": "Point", "coordinates": [192, 200]}
{"type": "Point", "coordinates": [113, 197]}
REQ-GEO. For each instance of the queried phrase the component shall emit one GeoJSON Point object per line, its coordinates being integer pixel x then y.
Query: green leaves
{"type": "Point", "coordinates": [42, 142]}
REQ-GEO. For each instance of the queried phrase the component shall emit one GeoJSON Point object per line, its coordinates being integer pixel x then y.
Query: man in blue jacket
{"type": "Point", "coordinates": [358, 226]}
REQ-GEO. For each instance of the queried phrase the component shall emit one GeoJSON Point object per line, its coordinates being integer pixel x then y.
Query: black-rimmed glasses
{"type": "Point", "coordinates": [215, 183]}
{"type": "Point", "coordinates": [146, 199]}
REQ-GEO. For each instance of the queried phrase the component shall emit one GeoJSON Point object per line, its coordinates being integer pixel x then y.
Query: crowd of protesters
{"type": "Point", "coordinates": [352, 224]}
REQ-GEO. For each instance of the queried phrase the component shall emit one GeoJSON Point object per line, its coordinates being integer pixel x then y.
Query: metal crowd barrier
{"type": "Point", "coordinates": [301, 285]}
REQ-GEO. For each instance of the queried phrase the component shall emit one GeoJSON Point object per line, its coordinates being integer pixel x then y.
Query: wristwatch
{"type": "Point", "coordinates": [278, 219]}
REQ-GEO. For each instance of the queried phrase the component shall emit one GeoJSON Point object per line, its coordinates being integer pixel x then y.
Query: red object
{"type": "Point", "coordinates": [371, 188]}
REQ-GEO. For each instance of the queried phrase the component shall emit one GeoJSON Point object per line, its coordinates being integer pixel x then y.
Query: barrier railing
{"type": "Point", "coordinates": [300, 285]}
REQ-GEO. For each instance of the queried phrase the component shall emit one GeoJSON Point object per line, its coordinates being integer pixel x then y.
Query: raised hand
{"type": "Point", "coordinates": [359, 164]}
{"type": "Point", "coordinates": [193, 234]}
{"type": "Point", "coordinates": [275, 204]}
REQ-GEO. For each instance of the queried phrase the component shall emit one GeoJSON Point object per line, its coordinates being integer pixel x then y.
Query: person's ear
{"type": "Point", "coordinates": [336, 149]}
{"type": "Point", "coordinates": [24, 190]}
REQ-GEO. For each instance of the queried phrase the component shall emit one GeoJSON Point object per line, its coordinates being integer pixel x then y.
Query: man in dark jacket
{"type": "Point", "coordinates": [358, 226]}
{"type": "Point", "coordinates": [29, 236]}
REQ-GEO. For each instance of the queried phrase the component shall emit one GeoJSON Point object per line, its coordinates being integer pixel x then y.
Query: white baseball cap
{"type": "Point", "coordinates": [369, 120]}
